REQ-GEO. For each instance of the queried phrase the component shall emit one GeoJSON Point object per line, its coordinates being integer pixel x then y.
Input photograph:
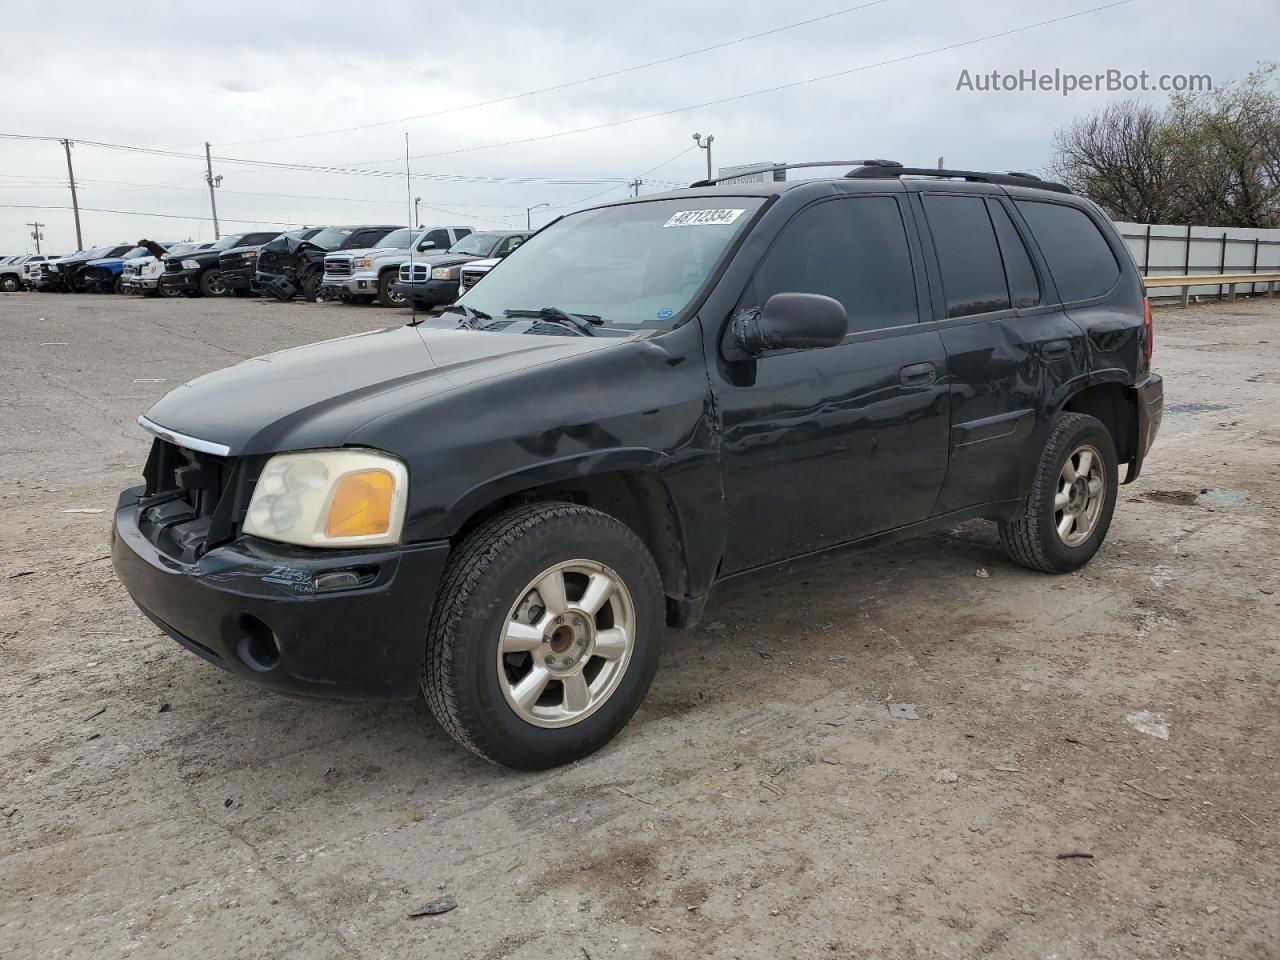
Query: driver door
{"type": "Point", "coordinates": [824, 446]}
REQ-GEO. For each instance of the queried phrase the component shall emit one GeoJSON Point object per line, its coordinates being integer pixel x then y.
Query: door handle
{"type": "Point", "coordinates": [918, 375]}
{"type": "Point", "coordinates": [1055, 349]}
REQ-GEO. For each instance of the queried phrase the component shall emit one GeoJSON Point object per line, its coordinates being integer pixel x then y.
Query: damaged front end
{"type": "Point", "coordinates": [281, 264]}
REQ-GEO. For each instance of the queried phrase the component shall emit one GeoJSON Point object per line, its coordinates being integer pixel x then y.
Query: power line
{"type": "Point", "coordinates": [774, 89]}
{"type": "Point", "coordinates": [568, 83]}
{"type": "Point", "coordinates": [130, 213]}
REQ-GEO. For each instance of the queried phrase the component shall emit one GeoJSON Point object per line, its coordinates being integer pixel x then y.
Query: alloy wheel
{"type": "Point", "coordinates": [1082, 493]}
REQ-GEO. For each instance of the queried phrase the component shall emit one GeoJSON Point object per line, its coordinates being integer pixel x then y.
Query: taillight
{"type": "Point", "coordinates": [1148, 332]}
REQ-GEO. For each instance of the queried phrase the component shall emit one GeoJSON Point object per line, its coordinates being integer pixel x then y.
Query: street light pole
{"type": "Point", "coordinates": [417, 220]}
{"type": "Point", "coordinates": [528, 214]}
{"type": "Point", "coordinates": [705, 145]}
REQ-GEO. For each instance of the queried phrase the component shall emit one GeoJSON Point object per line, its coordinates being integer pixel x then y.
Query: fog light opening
{"type": "Point", "coordinates": [257, 647]}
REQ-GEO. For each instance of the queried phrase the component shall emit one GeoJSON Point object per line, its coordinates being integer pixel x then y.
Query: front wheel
{"type": "Point", "coordinates": [1073, 495]}
{"type": "Point", "coordinates": [311, 287]}
{"type": "Point", "coordinates": [212, 284]}
{"type": "Point", "coordinates": [545, 635]}
{"type": "Point", "coordinates": [387, 296]}
{"type": "Point", "coordinates": [10, 284]}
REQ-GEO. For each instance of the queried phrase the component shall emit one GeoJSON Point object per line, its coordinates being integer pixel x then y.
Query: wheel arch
{"type": "Point", "coordinates": [1111, 402]}
{"type": "Point", "coordinates": [626, 485]}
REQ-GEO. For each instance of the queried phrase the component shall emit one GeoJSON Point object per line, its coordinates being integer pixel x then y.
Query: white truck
{"type": "Point", "coordinates": [363, 275]}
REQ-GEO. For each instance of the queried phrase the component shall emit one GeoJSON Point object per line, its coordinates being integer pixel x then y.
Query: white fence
{"type": "Point", "coordinates": [1164, 250]}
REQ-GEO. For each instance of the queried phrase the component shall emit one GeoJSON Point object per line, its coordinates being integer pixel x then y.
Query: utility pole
{"type": "Point", "coordinates": [75, 204]}
{"type": "Point", "coordinates": [213, 182]}
{"type": "Point", "coordinates": [942, 163]}
{"type": "Point", "coordinates": [36, 235]}
{"type": "Point", "coordinates": [697, 138]}
{"type": "Point", "coordinates": [528, 214]}
{"type": "Point", "coordinates": [635, 186]}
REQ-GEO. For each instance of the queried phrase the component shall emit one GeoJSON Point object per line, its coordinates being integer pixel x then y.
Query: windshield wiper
{"type": "Point", "coordinates": [582, 321]}
{"type": "Point", "coordinates": [472, 319]}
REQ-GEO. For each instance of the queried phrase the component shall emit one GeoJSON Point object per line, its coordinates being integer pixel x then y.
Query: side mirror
{"type": "Point", "coordinates": [791, 321]}
{"type": "Point", "coordinates": [427, 245]}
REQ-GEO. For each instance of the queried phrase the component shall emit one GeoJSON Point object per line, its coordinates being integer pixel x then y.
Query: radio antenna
{"type": "Point", "coordinates": [413, 241]}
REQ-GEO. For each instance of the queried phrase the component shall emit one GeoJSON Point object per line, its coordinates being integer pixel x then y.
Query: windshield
{"type": "Point", "coordinates": [395, 240]}
{"type": "Point", "coordinates": [135, 252]}
{"type": "Point", "coordinates": [633, 265]}
{"type": "Point", "coordinates": [183, 248]}
{"type": "Point", "coordinates": [226, 243]}
{"type": "Point", "coordinates": [329, 237]}
{"type": "Point", "coordinates": [476, 244]}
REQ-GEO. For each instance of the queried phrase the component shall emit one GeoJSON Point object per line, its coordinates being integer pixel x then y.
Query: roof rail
{"type": "Point", "coordinates": [771, 167]}
{"type": "Point", "coordinates": [1012, 178]}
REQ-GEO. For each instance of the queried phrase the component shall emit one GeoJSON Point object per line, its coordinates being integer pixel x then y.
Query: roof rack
{"type": "Point", "coordinates": [1013, 178]}
{"type": "Point", "coordinates": [771, 167]}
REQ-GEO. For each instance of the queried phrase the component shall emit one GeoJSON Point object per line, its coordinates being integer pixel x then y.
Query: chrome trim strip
{"type": "Point", "coordinates": [182, 440]}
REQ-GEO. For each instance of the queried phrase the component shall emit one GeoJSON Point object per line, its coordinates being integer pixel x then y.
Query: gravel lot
{"type": "Point", "coordinates": [763, 803]}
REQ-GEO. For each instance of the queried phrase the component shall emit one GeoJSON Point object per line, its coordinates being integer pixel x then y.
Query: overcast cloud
{"type": "Point", "coordinates": [169, 76]}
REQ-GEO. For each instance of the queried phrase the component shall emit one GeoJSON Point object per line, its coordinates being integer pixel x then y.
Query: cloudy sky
{"type": "Point", "coordinates": [268, 82]}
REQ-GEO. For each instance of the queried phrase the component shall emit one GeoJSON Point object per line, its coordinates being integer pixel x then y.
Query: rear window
{"type": "Point", "coordinates": [973, 279]}
{"type": "Point", "coordinates": [1079, 257]}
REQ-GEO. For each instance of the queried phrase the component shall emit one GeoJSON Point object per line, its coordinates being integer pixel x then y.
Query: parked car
{"type": "Point", "coordinates": [294, 264]}
{"type": "Point", "coordinates": [48, 277]}
{"type": "Point", "coordinates": [469, 274]}
{"type": "Point", "coordinates": [106, 275]}
{"type": "Point", "coordinates": [67, 274]}
{"type": "Point", "coordinates": [433, 281]}
{"type": "Point", "coordinates": [142, 274]}
{"type": "Point", "coordinates": [31, 269]}
{"type": "Point", "coordinates": [198, 274]}
{"type": "Point", "coordinates": [239, 266]}
{"type": "Point", "coordinates": [363, 275]}
{"type": "Point", "coordinates": [11, 271]}
{"type": "Point", "coordinates": [647, 398]}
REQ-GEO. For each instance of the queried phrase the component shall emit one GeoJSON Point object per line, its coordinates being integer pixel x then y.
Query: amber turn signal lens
{"type": "Point", "coordinates": [361, 505]}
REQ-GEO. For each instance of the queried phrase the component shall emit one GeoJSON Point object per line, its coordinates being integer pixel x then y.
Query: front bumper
{"type": "Point", "coordinates": [252, 608]}
{"type": "Point", "coordinates": [1148, 398]}
{"type": "Point", "coordinates": [242, 278]}
{"type": "Point", "coordinates": [424, 294]}
{"type": "Point", "coordinates": [188, 281]}
{"type": "Point", "coordinates": [357, 285]}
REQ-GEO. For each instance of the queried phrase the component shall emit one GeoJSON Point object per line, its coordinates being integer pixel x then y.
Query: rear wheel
{"type": "Point", "coordinates": [545, 635]}
{"type": "Point", "coordinates": [212, 284]}
{"type": "Point", "coordinates": [1073, 496]}
{"type": "Point", "coordinates": [387, 295]}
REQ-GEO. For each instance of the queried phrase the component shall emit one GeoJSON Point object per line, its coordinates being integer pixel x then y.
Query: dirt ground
{"type": "Point", "coordinates": [764, 803]}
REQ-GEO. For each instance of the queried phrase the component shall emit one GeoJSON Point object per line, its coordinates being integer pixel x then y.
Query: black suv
{"type": "Point", "coordinates": [199, 272]}
{"type": "Point", "coordinates": [506, 504]}
{"type": "Point", "coordinates": [293, 264]}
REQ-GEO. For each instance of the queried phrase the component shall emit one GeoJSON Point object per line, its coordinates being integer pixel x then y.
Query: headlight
{"type": "Point", "coordinates": [250, 254]}
{"type": "Point", "coordinates": [330, 498]}
{"type": "Point", "coordinates": [444, 273]}
{"type": "Point", "coordinates": [364, 263]}
{"type": "Point", "coordinates": [190, 264]}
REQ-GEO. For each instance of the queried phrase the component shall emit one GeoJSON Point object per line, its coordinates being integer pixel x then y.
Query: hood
{"type": "Point", "coordinates": [287, 244]}
{"type": "Point", "coordinates": [139, 261]}
{"type": "Point", "coordinates": [108, 262]}
{"type": "Point", "coordinates": [237, 251]}
{"type": "Point", "coordinates": [200, 256]}
{"type": "Point", "coordinates": [487, 264]}
{"type": "Point", "coordinates": [318, 395]}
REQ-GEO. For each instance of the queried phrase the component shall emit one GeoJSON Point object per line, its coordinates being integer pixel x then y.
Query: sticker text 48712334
{"type": "Point", "coordinates": [703, 218]}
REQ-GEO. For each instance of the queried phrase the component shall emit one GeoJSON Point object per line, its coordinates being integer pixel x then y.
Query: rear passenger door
{"type": "Point", "coordinates": [1010, 347]}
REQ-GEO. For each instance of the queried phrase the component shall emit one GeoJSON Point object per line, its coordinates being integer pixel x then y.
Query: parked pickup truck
{"type": "Point", "coordinates": [106, 275]}
{"type": "Point", "coordinates": [13, 270]}
{"type": "Point", "coordinates": [31, 269]}
{"type": "Point", "coordinates": [363, 275]}
{"type": "Point", "coordinates": [198, 273]}
{"type": "Point", "coordinates": [293, 264]}
{"type": "Point", "coordinates": [143, 274]}
{"type": "Point", "coordinates": [67, 274]}
{"type": "Point", "coordinates": [433, 280]}
{"type": "Point", "coordinates": [507, 504]}
{"type": "Point", "coordinates": [469, 274]}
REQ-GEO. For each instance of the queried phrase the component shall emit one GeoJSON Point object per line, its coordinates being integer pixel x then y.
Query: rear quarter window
{"type": "Point", "coordinates": [1078, 255]}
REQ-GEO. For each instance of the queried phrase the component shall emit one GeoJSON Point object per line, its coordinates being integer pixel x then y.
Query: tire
{"type": "Point", "coordinates": [471, 687]}
{"type": "Point", "coordinates": [311, 286]}
{"type": "Point", "coordinates": [167, 290]}
{"type": "Point", "coordinates": [211, 284]}
{"type": "Point", "coordinates": [9, 284]}
{"type": "Point", "coordinates": [387, 297]}
{"type": "Point", "coordinates": [117, 285]}
{"type": "Point", "coordinates": [1033, 539]}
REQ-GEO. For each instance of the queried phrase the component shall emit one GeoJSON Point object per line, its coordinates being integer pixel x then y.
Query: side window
{"type": "Point", "coordinates": [440, 238]}
{"type": "Point", "coordinates": [1024, 286]}
{"type": "Point", "coordinates": [510, 244]}
{"type": "Point", "coordinates": [968, 257]}
{"type": "Point", "coordinates": [1079, 257]}
{"type": "Point", "coordinates": [461, 232]}
{"type": "Point", "coordinates": [854, 250]}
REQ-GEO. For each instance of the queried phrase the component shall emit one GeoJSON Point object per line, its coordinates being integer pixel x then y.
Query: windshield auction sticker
{"type": "Point", "coordinates": [703, 218]}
